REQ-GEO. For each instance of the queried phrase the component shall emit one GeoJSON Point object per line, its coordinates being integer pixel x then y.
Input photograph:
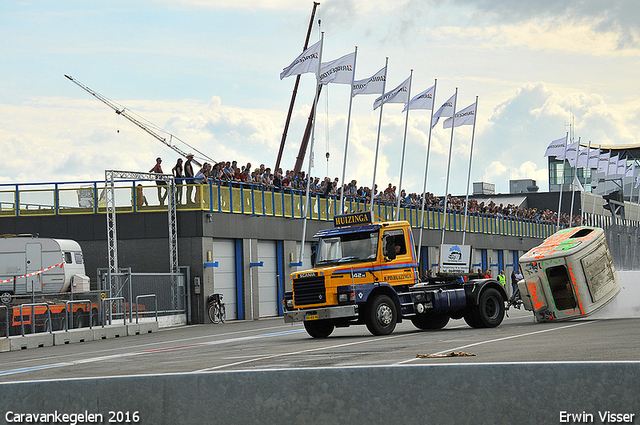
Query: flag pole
{"type": "Point", "coordinates": [404, 144]}
{"type": "Point", "coordinates": [446, 188]}
{"type": "Point", "coordinates": [573, 186]}
{"type": "Point", "coordinates": [313, 130]}
{"type": "Point", "coordinates": [566, 142]}
{"type": "Point", "coordinates": [638, 209]}
{"type": "Point", "coordinates": [593, 211]}
{"type": "Point", "coordinates": [375, 160]}
{"type": "Point", "coordinates": [426, 168]}
{"type": "Point", "coordinates": [346, 142]}
{"type": "Point", "coordinates": [584, 192]}
{"type": "Point", "coordinates": [293, 95]}
{"type": "Point", "coordinates": [466, 199]}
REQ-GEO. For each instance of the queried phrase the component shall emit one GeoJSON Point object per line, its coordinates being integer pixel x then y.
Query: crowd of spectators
{"type": "Point", "coordinates": [230, 173]}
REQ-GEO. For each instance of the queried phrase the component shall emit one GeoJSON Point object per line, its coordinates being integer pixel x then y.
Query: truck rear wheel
{"type": "Point", "coordinates": [472, 319]}
{"type": "Point", "coordinates": [5, 297]}
{"type": "Point", "coordinates": [489, 312]}
{"type": "Point", "coordinates": [381, 315]}
{"type": "Point", "coordinates": [319, 329]}
{"type": "Point", "coordinates": [430, 321]}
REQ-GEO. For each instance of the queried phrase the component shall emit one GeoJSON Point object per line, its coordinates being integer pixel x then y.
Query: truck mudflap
{"type": "Point", "coordinates": [322, 313]}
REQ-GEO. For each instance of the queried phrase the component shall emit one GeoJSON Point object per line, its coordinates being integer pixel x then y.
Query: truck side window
{"type": "Point", "coordinates": [394, 240]}
{"type": "Point", "coordinates": [78, 256]}
{"type": "Point", "coordinates": [68, 258]}
{"type": "Point", "coordinates": [560, 286]}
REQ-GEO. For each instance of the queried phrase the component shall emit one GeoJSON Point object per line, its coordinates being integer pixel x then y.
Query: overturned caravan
{"type": "Point", "coordinates": [570, 275]}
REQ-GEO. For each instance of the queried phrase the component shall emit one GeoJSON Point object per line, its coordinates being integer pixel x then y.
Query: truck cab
{"type": "Point", "coordinates": [367, 273]}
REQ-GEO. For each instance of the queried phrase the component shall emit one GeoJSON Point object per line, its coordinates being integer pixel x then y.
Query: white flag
{"type": "Point", "coordinates": [338, 71]}
{"type": "Point", "coordinates": [583, 158]}
{"type": "Point", "coordinates": [594, 158]}
{"type": "Point", "coordinates": [371, 85]}
{"type": "Point", "coordinates": [398, 95]}
{"type": "Point", "coordinates": [557, 147]}
{"type": "Point", "coordinates": [446, 110]}
{"type": "Point", "coordinates": [631, 170]}
{"type": "Point", "coordinates": [622, 166]}
{"type": "Point", "coordinates": [603, 162]}
{"type": "Point", "coordinates": [306, 62]}
{"type": "Point", "coordinates": [422, 100]}
{"type": "Point", "coordinates": [569, 153]}
{"type": "Point", "coordinates": [463, 117]}
{"type": "Point", "coordinates": [577, 185]}
{"type": "Point", "coordinates": [613, 165]}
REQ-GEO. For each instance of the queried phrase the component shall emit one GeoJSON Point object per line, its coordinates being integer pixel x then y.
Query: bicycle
{"type": "Point", "coordinates": [216, 309]}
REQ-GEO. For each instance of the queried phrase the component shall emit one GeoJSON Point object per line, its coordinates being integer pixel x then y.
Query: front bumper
{"type": "Point", "coordinates": [322, 313]}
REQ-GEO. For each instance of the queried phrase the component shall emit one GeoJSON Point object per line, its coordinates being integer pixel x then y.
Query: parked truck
{"type": "Point", "coordinates": [367, 273]}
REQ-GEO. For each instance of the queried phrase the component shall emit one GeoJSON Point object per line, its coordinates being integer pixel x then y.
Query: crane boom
{"type": "Point", "coordinates": [122, 111]}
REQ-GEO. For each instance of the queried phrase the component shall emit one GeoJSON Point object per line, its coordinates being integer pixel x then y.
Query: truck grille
{"type": "Point", "coordinates": [309, 290]}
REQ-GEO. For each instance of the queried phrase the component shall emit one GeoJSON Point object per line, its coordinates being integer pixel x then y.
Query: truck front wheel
{"type": "Point", "coordinates": [381, 315]}
{"type": "Point", "coordinates": [430, 321]}
{"type": "Point", "coordinates": [319, 329]}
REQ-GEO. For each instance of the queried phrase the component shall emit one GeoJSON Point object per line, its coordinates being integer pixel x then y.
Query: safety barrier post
{"type": "Point", "coordinates": [124, 310]}
{"type": "Point", "coordinates": [146, 296]}
{"type": "Point", "coordinates": [32, 305]}
{"type": "Point", "coordinates": [67, 310]}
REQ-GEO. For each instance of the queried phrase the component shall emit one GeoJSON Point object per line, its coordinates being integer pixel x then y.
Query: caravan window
{"type": "Point", "coordinates": [68, 258]}
{"type": "Point", "coordinates": [78, 257]}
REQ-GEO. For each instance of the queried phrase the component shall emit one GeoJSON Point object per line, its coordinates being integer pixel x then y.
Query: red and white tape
{"type": "Point", "coordinates": [33, 273]}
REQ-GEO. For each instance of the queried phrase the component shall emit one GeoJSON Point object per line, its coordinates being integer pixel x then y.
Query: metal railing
{"type": "Point", "coordinates": [67, 310]}
{"type": "Point", "coordinates": [104, 311]}
{"type": "Point", "coordinates": [138, 304]}
{"type": "Point", "coordinates": [215, 196]}
{"type": "Point", "coordinates": [32, 318]}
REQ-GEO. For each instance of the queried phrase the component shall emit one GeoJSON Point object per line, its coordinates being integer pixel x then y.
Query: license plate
{"type": "Point", "coordinates": [311, 317]}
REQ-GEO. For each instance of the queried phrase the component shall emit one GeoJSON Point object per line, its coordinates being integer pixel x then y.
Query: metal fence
{"type": "Point", "coordinates": [65, 198]}
{"type": "Point", "coordinates": [170, 290]}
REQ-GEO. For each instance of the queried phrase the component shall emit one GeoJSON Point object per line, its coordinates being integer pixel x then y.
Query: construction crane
{"type": "Point", "coordinates": [122, 111]}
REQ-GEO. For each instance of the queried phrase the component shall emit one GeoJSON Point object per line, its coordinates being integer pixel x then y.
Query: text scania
{"type": "Point", "coordinates": [371, 80]}
{"type": "Point", "coordinates": [465, 114]}
{"type": "Point", "coordinates": [305, 58]}
{"type": "Point", "coordinates": [53, 418]}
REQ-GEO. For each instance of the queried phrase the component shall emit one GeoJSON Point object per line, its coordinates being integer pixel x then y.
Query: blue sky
{"type": "Point", "coordinates": [208, 72]}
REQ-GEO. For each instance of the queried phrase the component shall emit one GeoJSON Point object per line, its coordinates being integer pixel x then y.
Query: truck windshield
{"type": "Point", "coordinates": [348, 247]}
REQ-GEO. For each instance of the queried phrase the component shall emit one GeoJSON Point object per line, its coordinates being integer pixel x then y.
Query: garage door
{"type": "Point", "coordinates": [267, 279]}
{"type": "Point", "coordinates": [224, 278]}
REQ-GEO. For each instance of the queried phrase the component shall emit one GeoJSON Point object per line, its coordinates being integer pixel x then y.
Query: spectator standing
{"type": "Point", "coordinates": [178, 174]}
{"type": "Point", "coordinates": [189, 175]}
{"type": "Point", "coordinates": [502, 279]}
{"type": "Point", "coordinates": [162, 194]}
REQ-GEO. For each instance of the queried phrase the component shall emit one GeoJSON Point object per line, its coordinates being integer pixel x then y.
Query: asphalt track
{"type": "Point", "coordinates": [270, 344]}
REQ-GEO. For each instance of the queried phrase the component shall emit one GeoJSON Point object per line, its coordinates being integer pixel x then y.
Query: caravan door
{"type": "Point", "coordinates": [34, 264]}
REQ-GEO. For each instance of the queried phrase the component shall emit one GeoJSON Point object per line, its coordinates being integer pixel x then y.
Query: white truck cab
{"type": "Point", "coordinates": [570, 275]}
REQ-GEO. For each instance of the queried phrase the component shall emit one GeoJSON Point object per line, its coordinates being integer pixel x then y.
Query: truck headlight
{"type": "Point", "coordinates": [289, 304]}
{"type": "Point", "coordinates": [343, 298]}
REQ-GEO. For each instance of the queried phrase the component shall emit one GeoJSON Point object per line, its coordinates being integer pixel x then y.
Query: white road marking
{"type": "Point", "coordinates": [490, 341]}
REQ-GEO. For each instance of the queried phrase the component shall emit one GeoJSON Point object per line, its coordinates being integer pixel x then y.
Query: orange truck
{"type": "Point", "coordinates": [366, 272]}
